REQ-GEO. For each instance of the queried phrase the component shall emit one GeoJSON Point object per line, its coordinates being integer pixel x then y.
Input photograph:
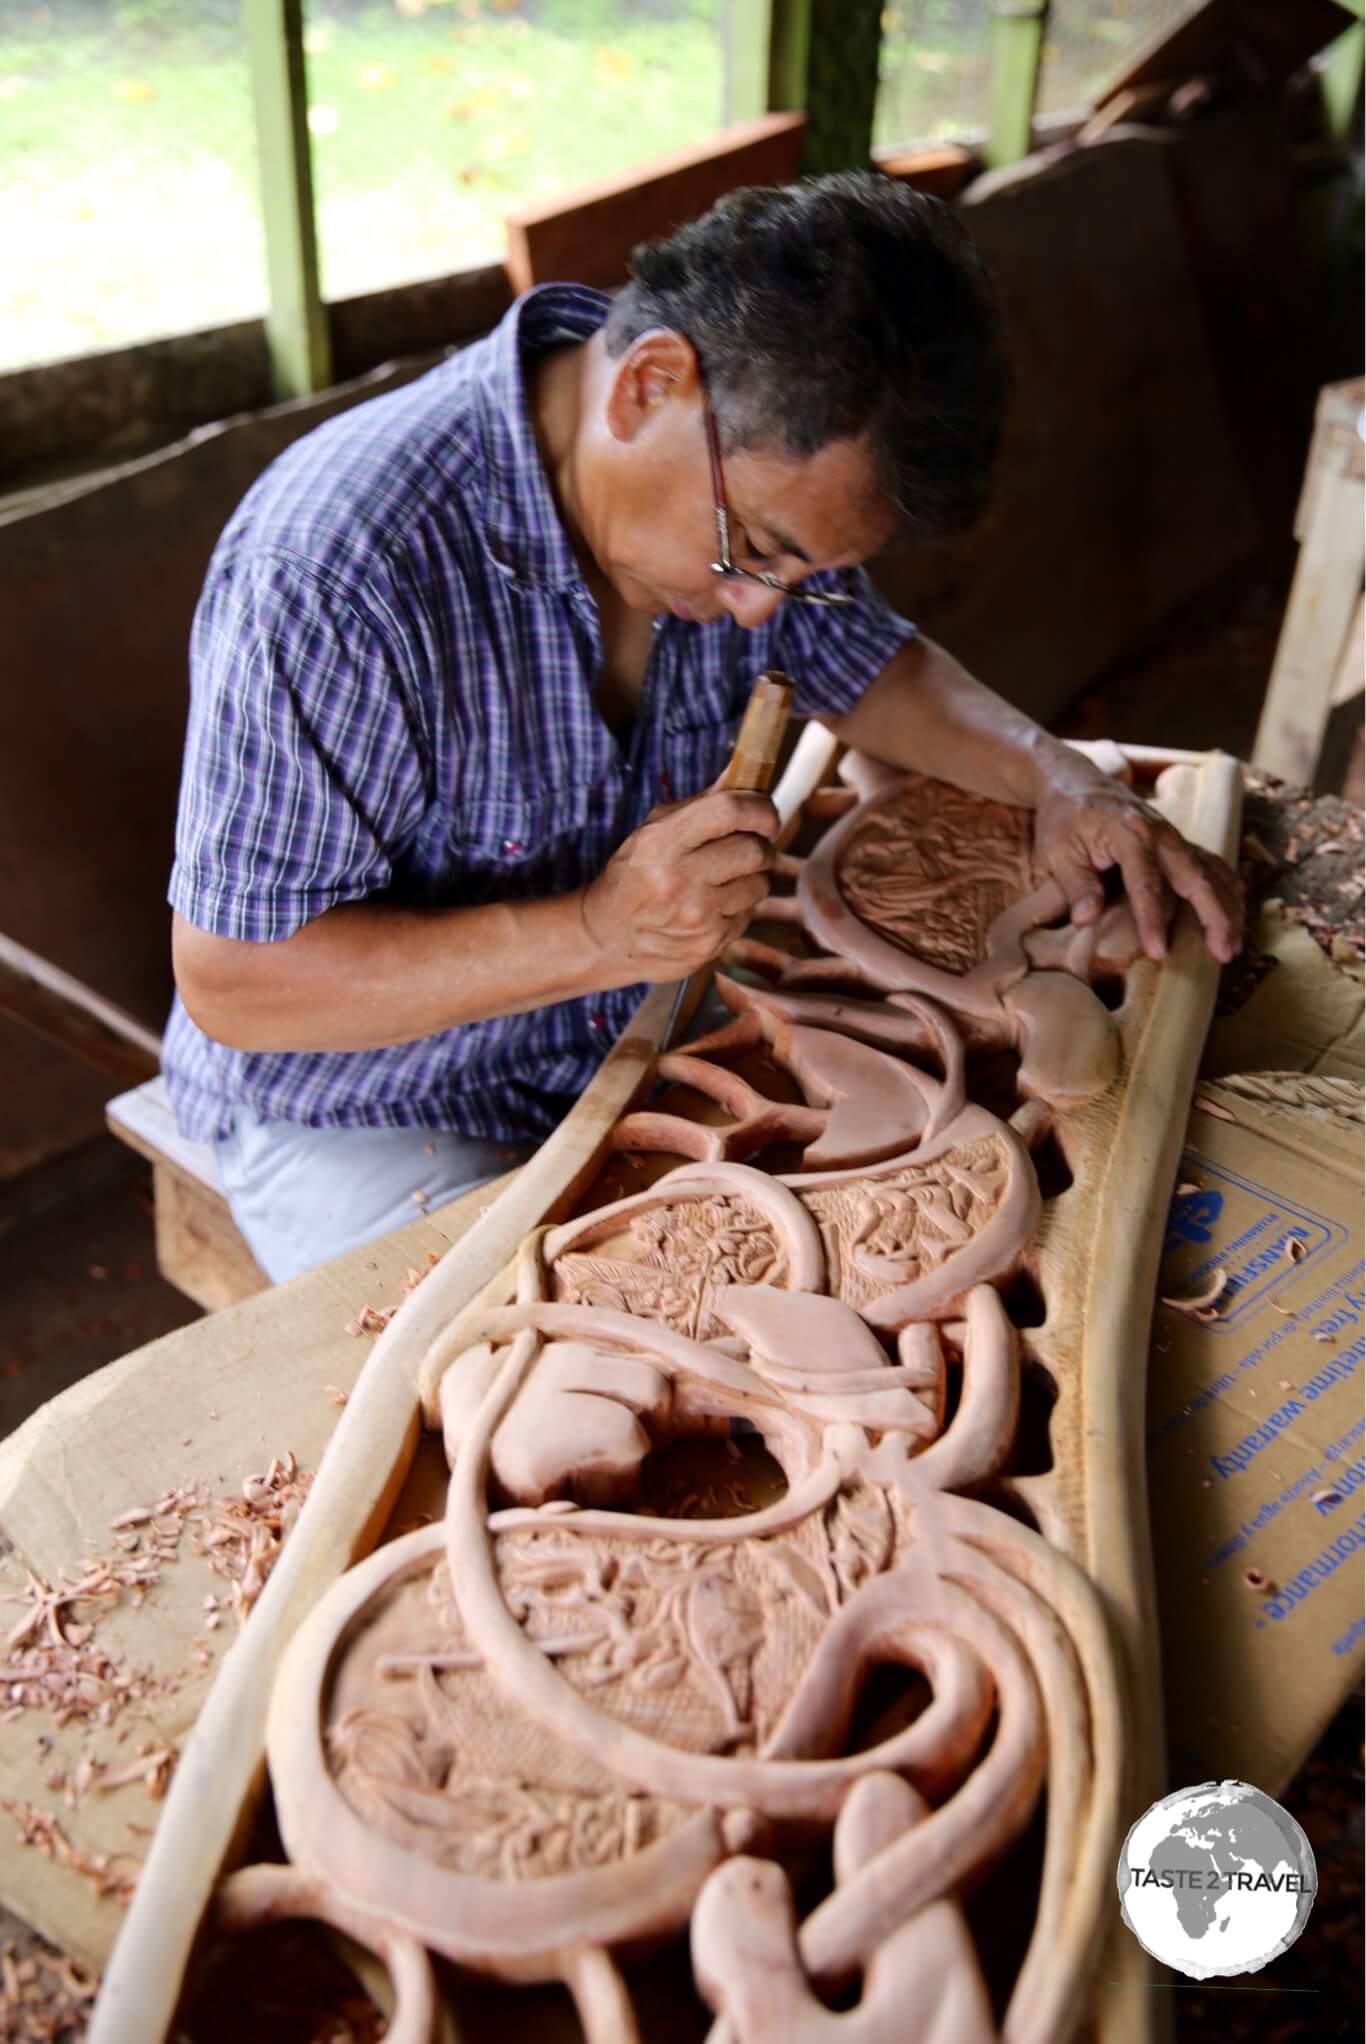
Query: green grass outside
{"type": "Point", "coordinates": [128, 198]}
{"type": "Point", "coordinates": [129, 206]}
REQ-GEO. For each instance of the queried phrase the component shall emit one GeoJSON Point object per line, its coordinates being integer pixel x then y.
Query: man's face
{"type": "Point", "coordinates": [657, 537]}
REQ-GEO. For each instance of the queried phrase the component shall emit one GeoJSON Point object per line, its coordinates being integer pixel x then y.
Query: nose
{"type": "Point", "coordinates": [750, 603]}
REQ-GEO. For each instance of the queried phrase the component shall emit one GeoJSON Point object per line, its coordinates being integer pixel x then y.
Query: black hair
{"type": "Point", "coordinates": [837, 307]}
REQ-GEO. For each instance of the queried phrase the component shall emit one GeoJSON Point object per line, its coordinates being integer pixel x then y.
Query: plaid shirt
{"type": "Point", "coordinates": [392, 668]}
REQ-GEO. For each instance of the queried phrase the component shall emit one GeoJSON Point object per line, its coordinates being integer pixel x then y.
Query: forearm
{"type": "Point", "coordinates": [925, 711]}
{"type": "Point", "coordinates": [365, 974]}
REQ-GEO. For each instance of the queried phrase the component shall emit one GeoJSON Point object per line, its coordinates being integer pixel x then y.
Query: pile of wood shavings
{"type": "Point", "coordinates": [45, 1998]}
{"type": "Point", "coordinates": [374, 1319]}
{"type": "Point", "coordinates": [53, 1658]}
{"type": "Point", "coordinates": [112, 1874]}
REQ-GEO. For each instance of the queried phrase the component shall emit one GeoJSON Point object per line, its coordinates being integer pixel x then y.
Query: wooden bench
{"type": "Point", "coordinates": [200, 1249]}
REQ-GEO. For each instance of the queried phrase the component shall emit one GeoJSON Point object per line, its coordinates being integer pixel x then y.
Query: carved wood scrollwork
{"type": "Point", "coordinates": [569, 1721]}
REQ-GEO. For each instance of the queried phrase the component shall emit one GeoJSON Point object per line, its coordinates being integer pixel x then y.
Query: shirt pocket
{"type": "Point", "coordinates": [518, 845]}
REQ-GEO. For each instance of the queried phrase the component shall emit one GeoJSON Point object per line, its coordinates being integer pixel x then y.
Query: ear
{"type": "Point", "coordinates": [658, 368]}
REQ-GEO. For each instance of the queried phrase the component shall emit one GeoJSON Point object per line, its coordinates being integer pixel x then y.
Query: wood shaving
{"type": "Point", "coordinates": [1255, 1579]}
{"type": "Point", "coordinates": [1208, 1106]}
{"type": "Point", "coordinates": [1199, 1304]}
{"type": "Point", "coordinates": [46, 1997]}
{"type": "Point", "coordinates": [112, 1875]}
{"type": "Point", "coordinates": [335, 1395]}
{"type": "Point", "coordinates": [1325, 1497]}
{"type": "Point", "coordinates": [374, 1319]}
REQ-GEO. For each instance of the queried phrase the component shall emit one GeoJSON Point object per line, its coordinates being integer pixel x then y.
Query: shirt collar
{"type": "Point", "coordinates": [522, 528]}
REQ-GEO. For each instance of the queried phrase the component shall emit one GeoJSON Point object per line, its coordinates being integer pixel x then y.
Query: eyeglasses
{"type": "Point", "coordinates": [725, 566]}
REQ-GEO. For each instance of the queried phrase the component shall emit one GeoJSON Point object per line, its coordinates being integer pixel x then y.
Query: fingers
{"type": "Point", "coordinates": [722, 813]}
{"type": "Point", "coordinates": [1136, 857]}
{"type": "Point", "coordinates": [1079, 881]}
{"type": "Point", "coordinates": [1213, 891]}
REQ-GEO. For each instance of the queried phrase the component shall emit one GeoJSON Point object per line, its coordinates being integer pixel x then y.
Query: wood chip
{"type": "Point", "coordinates": [1198, 1304]}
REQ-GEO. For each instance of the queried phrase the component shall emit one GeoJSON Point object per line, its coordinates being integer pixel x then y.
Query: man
{"type": "Point", "coordinates": [467, 654]}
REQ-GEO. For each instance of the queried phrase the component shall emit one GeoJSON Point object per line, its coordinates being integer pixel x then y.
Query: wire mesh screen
{"type": "Point", "coordinates": [128, 189]}
{"type": "Point", "coordinates": [934, 80]}
{"type": "Point", "coordinates": [431, 119]}
{"type": "Point", "coordinates": [1089, 42]}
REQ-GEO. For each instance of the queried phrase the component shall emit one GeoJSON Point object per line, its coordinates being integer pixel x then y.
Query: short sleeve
{"type": "Point", "coordinates": [303, 769]}
{"type": "Point", "coordinates": [833, 654]}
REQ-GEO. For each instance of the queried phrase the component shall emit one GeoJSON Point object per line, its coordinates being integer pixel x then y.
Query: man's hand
{"type": "Point", "coordinates": [1082, 828]}
{"type": "Point", "coordinates": [681, 887]}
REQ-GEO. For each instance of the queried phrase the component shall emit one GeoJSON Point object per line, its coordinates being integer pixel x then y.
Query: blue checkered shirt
{"type": "Point", "coordinates": [392, 673]}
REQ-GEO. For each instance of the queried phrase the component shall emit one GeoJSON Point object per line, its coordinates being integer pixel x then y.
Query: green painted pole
{"type": "Point", "coordinates": [296, 323]}
{"type": "Point", "coordinates": [1340, 81]}
{"type": "Point", "coordinates": [1017, 45]}
{"type": "Point", "coordinates": [789, 40]}
{"type": "Point", "coordinates": [844, 41]}
{"type": "Point", "coordinates": [747, 33]}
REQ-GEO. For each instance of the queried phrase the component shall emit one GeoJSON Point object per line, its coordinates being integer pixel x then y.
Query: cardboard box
{"type": "Point", "coordinates": [1256, 1433]}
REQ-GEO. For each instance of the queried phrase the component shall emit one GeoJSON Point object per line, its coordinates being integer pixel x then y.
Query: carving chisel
{"type": "Point", "coordinates": [750, 770]}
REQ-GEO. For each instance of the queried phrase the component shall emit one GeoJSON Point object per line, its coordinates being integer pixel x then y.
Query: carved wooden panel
{"type": "Point", "coordinates": [840, 1259]}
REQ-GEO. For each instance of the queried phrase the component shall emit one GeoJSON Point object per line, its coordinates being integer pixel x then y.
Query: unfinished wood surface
{"type": "Point", "coordinates": [736, 1285]}
{"type": "Point", "coordinates": [1317, 639]}
{"type": "Point", "coordinates": [585, 236]}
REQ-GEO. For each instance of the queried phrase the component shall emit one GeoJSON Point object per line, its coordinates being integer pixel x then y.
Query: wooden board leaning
{"type": "Point", "coordinates": [881, 1254]}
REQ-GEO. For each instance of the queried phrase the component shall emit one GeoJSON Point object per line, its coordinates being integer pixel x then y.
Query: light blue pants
{"type": "Point", "coordinates": [302, 1195]}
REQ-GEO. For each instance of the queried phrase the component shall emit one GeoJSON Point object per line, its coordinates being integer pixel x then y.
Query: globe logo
{"type": "Point", "coordinates": [1216, 1879]}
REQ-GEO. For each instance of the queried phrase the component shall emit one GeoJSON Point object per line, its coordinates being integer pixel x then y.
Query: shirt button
{"type": "Point", "coordinates": [512, 844]}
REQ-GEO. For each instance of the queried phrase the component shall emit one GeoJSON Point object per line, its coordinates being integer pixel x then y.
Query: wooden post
{"type": "Point", "coordinates": [1017, 42]}
{"type": "Point", "coordinates": [844, 42]}
{"type": "Point", "coordinates": [789, 40]}
{"type": "Point", "coordinates": [1340, 78]}
{"type": "Point", "coordinates": [296, 324]}
{"type": "Point", "coordinates": [746, 26]}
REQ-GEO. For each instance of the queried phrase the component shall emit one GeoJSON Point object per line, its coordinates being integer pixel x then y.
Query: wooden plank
{"type": "Point", "coordinates": [1350, 676]}
{"type": "Point", "coordinates": [586, 236]}
{"type": "Point", "coordinates": [1016, 47]}
{"type": "Point", "coordinates": [63, 1009]}
{"type": "Point", "coordinates": [296, 324]}
{"type": "Point", "coordinates": [1324, 594]}
{"type": "Point", "coordinates": [942, 171]}
{"type": "Point", "coordinates": [1279, 38]}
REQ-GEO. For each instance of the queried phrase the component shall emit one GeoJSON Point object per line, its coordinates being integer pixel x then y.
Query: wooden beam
{"type": "Point", "coordinates": [1340, 81]}
{"type": "Point", "coordinates": [70, 1013]}
{"type": "Point", "coordinates": [789, 40]}
{"type": "Point", "coordinates": [746, 28]}
{"type": "Point", "coordinates": [296, 323]}
{"type": "Point", "coordinates": [1278, 38]}
{"type": "Point", "coordinates": [844, 43]}
{"type": "Point", "coordinates": [1016, 48]}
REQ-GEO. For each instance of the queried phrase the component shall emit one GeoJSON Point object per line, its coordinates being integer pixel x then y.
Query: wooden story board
{"type": "Point", "coordinates": [1090, 1265]}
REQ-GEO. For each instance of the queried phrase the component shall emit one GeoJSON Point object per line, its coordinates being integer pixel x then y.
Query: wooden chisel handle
{"type": "Point", "coordinates": [760, 734]}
